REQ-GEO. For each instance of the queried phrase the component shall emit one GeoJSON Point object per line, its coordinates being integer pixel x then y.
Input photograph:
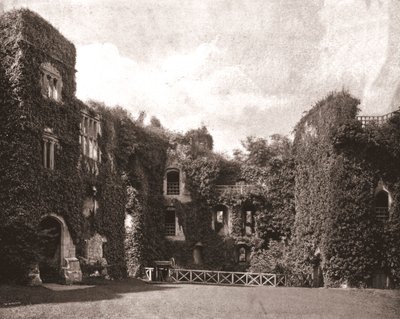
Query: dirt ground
{"type": "Point", "coordinates": [136, 299]}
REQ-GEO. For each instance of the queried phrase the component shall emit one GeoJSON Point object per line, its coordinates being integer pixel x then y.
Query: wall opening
{"type": "Point", "coordinates": [220, 220]}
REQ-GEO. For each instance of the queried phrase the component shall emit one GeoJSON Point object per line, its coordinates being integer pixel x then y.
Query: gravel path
{"type": "Point", "coordinates": [136, 299]}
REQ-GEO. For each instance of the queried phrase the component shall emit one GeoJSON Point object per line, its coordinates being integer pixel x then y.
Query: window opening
{"type": "Point", "coordinates": [382, 206]}
{"type": "Point", "coordinates": [50, 81]}
{"type": "Point", "coordinates": [170, 222]}
{"type": "Point", "coordinates": [49, 144]}
{"type": "Point", "coordinates": [249, 222]}
{"type": "Point", "coordinates": [90, 129]}
{"type": "Point", "coordinates": [173, 183]}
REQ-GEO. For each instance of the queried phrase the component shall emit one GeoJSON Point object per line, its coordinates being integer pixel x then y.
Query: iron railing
{"type": "Point", "coordinates": [173, 188]}
{"type": "Point", "coordinates": [170, 229]}
{"type": "Point", "coordinates": [236, 188]}
{"type": "Point", "coordinates": [382, 213]}
{"type": "Point", "coordinates": [378, 119]}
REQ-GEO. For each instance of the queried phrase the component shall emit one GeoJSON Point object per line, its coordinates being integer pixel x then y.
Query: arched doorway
{"type": "Point", "coordinates": [50, 230]}
{"type": "Point", "coordinates": [58, 262]}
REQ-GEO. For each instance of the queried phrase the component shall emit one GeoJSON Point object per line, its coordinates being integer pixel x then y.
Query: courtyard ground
{"type": "Point", "coordinates": [135, 299]}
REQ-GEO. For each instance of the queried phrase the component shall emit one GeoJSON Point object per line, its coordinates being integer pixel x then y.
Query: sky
{"type": "Point", "coordinates": [239, 67]}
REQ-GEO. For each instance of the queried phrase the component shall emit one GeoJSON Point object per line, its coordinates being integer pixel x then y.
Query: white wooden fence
{"type": "Point", "coordinates": [222, 277]}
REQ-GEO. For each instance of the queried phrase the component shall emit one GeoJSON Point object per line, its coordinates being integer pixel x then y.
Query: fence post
{"type": "Point", "coordinates": [274, 280]}
{"type": "Point", "coordinates": [190, 276]}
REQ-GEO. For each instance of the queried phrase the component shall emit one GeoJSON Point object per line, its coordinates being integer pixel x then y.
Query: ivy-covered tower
{"type": "Point", "coordinates": [49, 153]}
{"type": "Point", "coordinates": [39, 138]}
{"type": "Point", "coordinates": [346, 189]}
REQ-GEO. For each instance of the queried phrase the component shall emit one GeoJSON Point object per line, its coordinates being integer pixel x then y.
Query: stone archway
{"type": "Point", "coordinates": [58, 259]}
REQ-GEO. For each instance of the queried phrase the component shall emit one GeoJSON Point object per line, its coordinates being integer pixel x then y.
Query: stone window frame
{"type": "Point", "coordinates": [50, 82]}
{"type": "Point", "coordinates": [90, 129]}
{"type": "Point", "coordinates": [49, 143]}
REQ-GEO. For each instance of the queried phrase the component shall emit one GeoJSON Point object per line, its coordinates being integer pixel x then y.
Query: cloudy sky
{"type": "Point", "coordinates": [240, 67]}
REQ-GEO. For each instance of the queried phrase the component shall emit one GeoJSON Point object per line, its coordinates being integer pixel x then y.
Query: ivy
{"type": "Point", "coordinates": [338, 165]}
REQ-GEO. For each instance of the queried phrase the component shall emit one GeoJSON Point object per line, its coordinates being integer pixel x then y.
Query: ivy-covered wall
{"type": "Point", "coordinates": [270, 196]}
{"type": "Point", "coordinates": [129, 174]}
{"type": "Point", "coordinates": [27, 190]}
{"type": "Point", "coordinates": [338, 166]}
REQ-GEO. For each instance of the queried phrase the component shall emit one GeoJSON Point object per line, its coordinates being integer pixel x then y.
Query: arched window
{"type": "Point", "coordinates": [382, 206]}
{"type": "Point", "coordinates": [173, 182]}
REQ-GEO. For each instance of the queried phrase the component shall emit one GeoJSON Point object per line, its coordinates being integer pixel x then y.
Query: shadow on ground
{"type": "Point", "coordinates": [15, 296]}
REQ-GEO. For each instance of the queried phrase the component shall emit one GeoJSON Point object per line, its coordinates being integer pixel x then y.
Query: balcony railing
{"type": "Point", "coordinates": [173, 188]}
{"type": "Point", "coordinates": [382, 213]}
{"type": "Point", "coordinates": [379, 119]}
{"type": "Point", "coordinates": [237, 188]}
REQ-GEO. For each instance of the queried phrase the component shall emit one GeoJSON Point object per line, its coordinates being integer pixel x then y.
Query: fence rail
{"type": "Point", "coordinates": [222, 277]}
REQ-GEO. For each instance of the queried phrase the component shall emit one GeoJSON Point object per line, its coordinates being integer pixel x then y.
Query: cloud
{"type": "Point", "coordinates": [183, 90]}
{"type": "Point", "coordinates": [240, 67]}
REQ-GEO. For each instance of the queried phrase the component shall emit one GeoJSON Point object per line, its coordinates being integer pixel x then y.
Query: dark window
{"type": "Point", "coordinates": [173, 183]}
{"type": "Point", "coordinates": [49, 143]}
{"type": "Point", "coordinates": [382, 206]}
{"type": "Point", "coordinates": [170, 222]}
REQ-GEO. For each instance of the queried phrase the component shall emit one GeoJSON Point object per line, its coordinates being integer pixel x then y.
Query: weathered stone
{"type": "Point", "coordinates": [94, 248]}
